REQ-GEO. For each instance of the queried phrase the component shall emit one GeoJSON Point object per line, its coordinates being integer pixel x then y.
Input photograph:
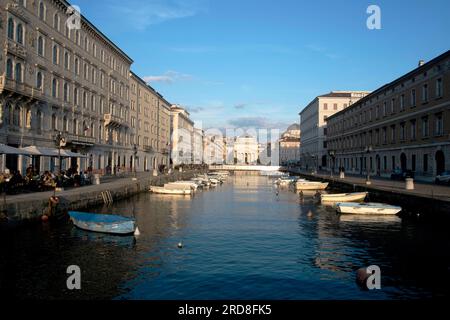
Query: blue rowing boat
{"type": "Point", "coordinates": [104, 223]}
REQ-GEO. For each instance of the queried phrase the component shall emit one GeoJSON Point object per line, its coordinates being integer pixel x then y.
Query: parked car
{"type": "Point", "coordinates": [399, 174]}
{"type": "Point", "coordinates": [443, 178]}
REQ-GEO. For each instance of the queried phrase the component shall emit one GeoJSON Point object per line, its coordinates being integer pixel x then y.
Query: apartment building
{"type": "Point", "coordinates": [402, 125]}
{"type": "Point", "coordinates": [313, 125]}
{"type": "Point", "coordinates": [182, 136]}
{"type": "Point", "coordinates": [289, 145]}
{"type": "Point", "coordinates": [57, 79]}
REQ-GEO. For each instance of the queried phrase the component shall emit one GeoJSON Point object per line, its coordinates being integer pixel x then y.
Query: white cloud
{"type": "Point", "coordinates": [143, 14]}
{"type": "Point", "coordinates": [168, 77]}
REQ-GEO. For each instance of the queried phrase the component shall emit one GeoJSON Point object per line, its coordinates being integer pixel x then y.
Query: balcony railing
{"type": "Point", "coordinates": [79, 140]}
{"type": "Point", "coordinates": [115, 121]}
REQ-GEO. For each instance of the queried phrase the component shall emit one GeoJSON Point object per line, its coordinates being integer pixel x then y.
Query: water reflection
{"type": "Point", "coordinates": [246, 239]}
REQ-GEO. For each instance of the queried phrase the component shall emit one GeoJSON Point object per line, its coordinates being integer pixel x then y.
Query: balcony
{"type": "Point", "coordinates": [20, 88]}
{"type": "Point", "coordinates": [114, 121]}
{"type": "Point", "coordinates": [79, 140]}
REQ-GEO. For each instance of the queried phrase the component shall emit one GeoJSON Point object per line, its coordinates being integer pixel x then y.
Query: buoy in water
{"type": "Point", "coordinates": [310, 214]}
{"type": "Point", "coordinates": [180, 245]}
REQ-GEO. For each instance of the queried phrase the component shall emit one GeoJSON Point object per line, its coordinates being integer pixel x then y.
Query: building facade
{"type": "Point", "coordinates": [150, 122]}
{"type": "Point", "coordinates": [198, 142]}
{"type": "Point", "coordinates": [214, 149]}
{"type": "Point", "coordinates": [182, 136]}
{"type": "Point", "coordinates": [57, 79]}
{"type": "Point", "coordinates": [246, 150]}
{"type": "Point", "coordinates": [313, 126]}
{"type": "Point", "coordinates": [402, 125]}
{"type": "Point", "coordinates": [289, 146]}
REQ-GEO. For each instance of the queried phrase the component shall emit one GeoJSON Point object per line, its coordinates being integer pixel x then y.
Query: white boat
{"type": "Point", "coordinates": [311, 185]}
{"type": "Point", "coordinates": [162, 190]}
{"type": "Point", "coordinates": [344, 197]}
{"type": "Point", "coordinates": [367, 208]}
{"type": "Point", "coordinates": [181, 185]}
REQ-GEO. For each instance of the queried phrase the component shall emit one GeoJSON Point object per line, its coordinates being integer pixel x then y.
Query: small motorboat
{"type": "Point", "coordinates": [344, 197]}
{"type": "Point", "coordinates": [311, 185]}
{"type": "Point", "coordinates": [181, 185]}
{"type": "Point", "coordinates": [104, 223]}
{"type": "Point", "coordinates": [367, 208]}
{"type": "Point", "coordinates": [162, 190]}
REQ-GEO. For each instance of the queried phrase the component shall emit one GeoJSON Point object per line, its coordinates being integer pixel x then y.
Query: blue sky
{"type": "Point", "coordinates": [257, 63]}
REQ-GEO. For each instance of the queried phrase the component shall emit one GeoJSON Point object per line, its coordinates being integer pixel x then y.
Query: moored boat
{"type": "Point", "coordinates": [162, 190]}
{"type": "Point", "coordinates": [367, 208]}
{"type": "Point", "coordinates": [344, 197]}
{"type": "Point", "coordinates": [311, 185]}
{"type": "Point", "coordinates": [181, 185]}
{"type": "Point", "coordinates": [104, 223]}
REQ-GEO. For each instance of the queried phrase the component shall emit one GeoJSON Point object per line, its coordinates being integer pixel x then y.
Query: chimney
{"type": "Point", "coordinates": [421, 63]}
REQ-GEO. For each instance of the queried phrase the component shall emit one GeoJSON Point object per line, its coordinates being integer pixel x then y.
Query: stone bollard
{"type": "Point", "coordinates": [409, 184]}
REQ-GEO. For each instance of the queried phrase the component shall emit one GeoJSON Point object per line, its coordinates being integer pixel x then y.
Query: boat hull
{"type": "Point", "coordinates": [161, 190]}
{"type": "Point", "coordinates": [100, 223]}
{"type": "Point", "coordinates": [311, 185]}
{"type": "Point", "coordinates": [367, 209]}
{"type": "Point", "coordinates": [344, 197]}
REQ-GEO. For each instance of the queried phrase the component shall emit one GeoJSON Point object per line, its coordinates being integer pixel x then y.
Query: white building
{"type": "Point", "coordinates": [246, 150]}
{"type": "Point", "coordinates": [198, 145]}
{"type": "Point", "coordinates": [314, 154]}
{"type": "Point", "coordinates": [182, 136]}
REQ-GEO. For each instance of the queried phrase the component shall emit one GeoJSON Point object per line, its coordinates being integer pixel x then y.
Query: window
{"type": "Point", "coordinates": [16, 116]}
{"type": "Point", "coordinates": [402, 131]}
{"type": "Point", "coordinates": [85, 99]}
{"type": "Point", "coordinates": [402, 102]}
{"type": "Point", "coordinates": [384, 109]}
{"type": "Point", "coordinates": [425, 163]}
{"type": "Point", "coordinates": [75, 126]}
{"type": "Point", "coordinates": [11, 28]}
{"type": "Point", "coordinates": [66, 92]}
{"type": "Point", "coordinates": [55, 54]}
{"type": "Point", "coordinates": [39, 80]}
{"type": "Point", "coordinates": [77, 66]}
{"type": "Point", "coordinates": [54, 122]}
{"type": "Point", "coordinates": [92, 102]}
{"type": "Point", "coordinates": [439, 124]}
{"type": "Point", "coordinates": [439, 88]}
{"type": "Point", "coordinates": [335, 106]}
{"type": "Point", "coordinates": [425, 93]}
{"type": "Point", "coordinates": [393, 133]}
{"type": "Point", "coordinates": [77, 37]}
{"type": "Point", "coordinates": [65, 124]}
{"type": "Point", "coordinates": [325, 106]}
{"type": "Point", "coordinates": [56, 22]}
{"type": "Point", "coordinates": [54, 88]}
{"type": "Point", "coordinates": [66, 61]}
{"type": "Point", "coordinates": [86, 68]}
{"type": "Point", "coordinates": [40, 46]}
{"type": "Point", "coordinates": [9, 69]}
{"type": "Point", "coordinates": [393, 106]}
{"type": "Point", "coordinates": [413, 129]}
{"type": "Point", "coordinates": [75, 96]}
{"type": "Point", "coordinates": [19, 33]}
{"type": "Point", "coordinates": [425, 127]}
{"type": "Point", "coordinates": [18, 73]}
{"type": "Point", "coordinates": [42, 10]}
{"type": "Point", "coordinates": [413, 97]}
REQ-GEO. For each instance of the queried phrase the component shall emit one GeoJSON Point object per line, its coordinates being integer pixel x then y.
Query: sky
{"type": "Point", "coordinates": [258, 63]}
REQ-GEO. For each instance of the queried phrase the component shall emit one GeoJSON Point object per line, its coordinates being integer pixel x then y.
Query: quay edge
{"type": "Point", "coordinates": [24, 210]}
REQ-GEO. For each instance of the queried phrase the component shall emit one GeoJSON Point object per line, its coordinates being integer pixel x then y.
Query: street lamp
{"type": "Point", "coordinates": [332, 154]}
{"type": "Point", "coordinates": [368, 150]}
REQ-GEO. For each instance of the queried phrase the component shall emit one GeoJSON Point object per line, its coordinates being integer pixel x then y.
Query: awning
{"type": "Point", "coordinates": [4, 149]}
{"type": "Point", "coordinates": [51, 152]}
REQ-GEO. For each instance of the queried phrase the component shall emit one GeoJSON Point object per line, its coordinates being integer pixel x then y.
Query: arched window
{"type": "Point", "coordinates": [53, 121]}
{"type": "Point", "coordinates": [86, 76]}
{"type": "Point", "coordinates": [66, 61]}
{"type": "Point", "coordinates": [11, 28]}
{"type": "Point", "coordinates": [65, 124]}
{"type": "Point", "coordinates": [75, 96]}
{"type": "Point", "coordinates": [56, 21]}
{"type": "Point", "coordinates": [9, 69]}
{"type": "Point", "coordinates": [55, 54]}
{"type": "Point", "coordinates": [66, 92]}
{"type": "Point", "coordinates": [18, 74]}
{"type": "Point", "coordinates": [77, 66]}
{"type": "Point", "coordinates": [54, 88]}
{"type": "Point", "coordinates": [85, 99]}
{"type": "Point", "coordinates": [42, 11]}
{"type": "Point", "coordinates": [16, 116]}
{"type": "Point", "coordinates": [39, 80]}
{"type": "Point", "coordinates": [19, 33]}
{"type": "Point", "coordinates": [39, 120]}
{"type": "Point", "coordinates": [40, 45]}
{"type": "Point", "coordinates": [75, 126]}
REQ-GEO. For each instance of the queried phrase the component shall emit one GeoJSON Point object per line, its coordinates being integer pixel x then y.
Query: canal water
{"type": "Point", "coordinates": [241, 240]}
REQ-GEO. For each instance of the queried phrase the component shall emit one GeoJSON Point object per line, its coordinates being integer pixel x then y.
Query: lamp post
{"type": "Point", "coordinates": [368, 150]}
{"type": "Point", "coordinates": [60, 142]}
{"type": "Point", "coordinates": [332, 154]}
